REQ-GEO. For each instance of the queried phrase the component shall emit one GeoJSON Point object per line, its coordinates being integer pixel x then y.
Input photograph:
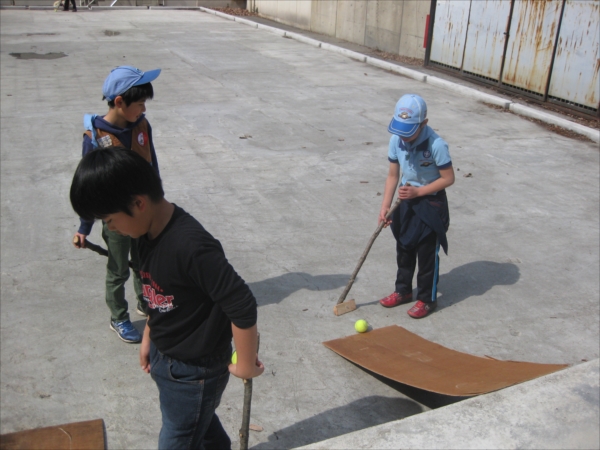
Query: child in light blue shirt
{"type": "Point", "coordinates": [420, 223]}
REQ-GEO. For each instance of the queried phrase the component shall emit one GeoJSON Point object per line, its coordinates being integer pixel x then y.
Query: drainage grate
{"type": "Point", "coordinates": [523, 90]}
{"type": "Point", "coordinates": [564, 102]}
{"type": "Point", "coordinates": [481, 77]}
{"type": "Point", "coordinates": [445, 66]}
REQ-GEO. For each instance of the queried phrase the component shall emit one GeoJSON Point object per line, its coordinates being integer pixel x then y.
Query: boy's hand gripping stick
{"type": "Point", "coordinates": [344, 307]}
{"type": "Point", "coordinates": [93, 247]}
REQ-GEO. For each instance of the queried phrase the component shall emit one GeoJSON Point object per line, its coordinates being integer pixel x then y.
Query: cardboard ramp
{"type": "Point", "coordinates": [402, 356]}
{"type": "Point", "coordinates": [87, 435]}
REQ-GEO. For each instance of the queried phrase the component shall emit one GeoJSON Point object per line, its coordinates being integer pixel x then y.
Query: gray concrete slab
{"type": "Point", "coordinates": [560, 410]}
{"type": "Point", "coordinates": [279, 149]}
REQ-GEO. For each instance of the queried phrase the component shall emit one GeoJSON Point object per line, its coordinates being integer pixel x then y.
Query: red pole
{"type": "Point", "coordinates": [426, 31]}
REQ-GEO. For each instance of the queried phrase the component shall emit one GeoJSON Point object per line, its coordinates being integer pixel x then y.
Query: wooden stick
{"type": "Point", "coordinates": [366, 252]}
{"type": "Point", "coordinates": [245, 430]}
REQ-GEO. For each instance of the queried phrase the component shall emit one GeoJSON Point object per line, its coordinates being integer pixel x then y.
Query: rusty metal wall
{"type": "Point", "coordinates": [450, 32]}
{"type": "Point", "coordinates": [547, 49]}
{"type": "Point", "coordinates": [488, 22]}
{"type": "Point", "coordinates": [577, 60]}
{"type": "Point", "coordinates": [531, 44]}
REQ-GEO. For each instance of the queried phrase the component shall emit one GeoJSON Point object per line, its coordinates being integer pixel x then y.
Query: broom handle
{"type": "Point", "coordinates": [366, 252]}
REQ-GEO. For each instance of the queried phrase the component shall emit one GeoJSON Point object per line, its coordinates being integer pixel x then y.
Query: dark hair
{"type": "Point", "coordinates": [134, 94]}
{"type": "Point", "coordinates": [107, 180]}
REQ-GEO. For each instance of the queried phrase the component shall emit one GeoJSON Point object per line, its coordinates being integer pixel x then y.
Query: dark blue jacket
{"type": "Point", "coordinates": [420, 217]}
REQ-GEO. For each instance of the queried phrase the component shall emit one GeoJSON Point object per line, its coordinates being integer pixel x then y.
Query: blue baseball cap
{"type": "Point", "coordinates": [410, 112]}
{"type": "Point", "coordinates": [123, 78]}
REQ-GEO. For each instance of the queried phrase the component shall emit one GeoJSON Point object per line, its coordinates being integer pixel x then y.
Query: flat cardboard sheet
{"type": "Point", "coordinates": [87, 435]}
{"type": "Point", "coordinates": [398, 354]}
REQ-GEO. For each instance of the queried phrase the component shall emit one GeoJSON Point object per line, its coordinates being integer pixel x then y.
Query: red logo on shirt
{"type": "Point", "coordinates": [164, 303]}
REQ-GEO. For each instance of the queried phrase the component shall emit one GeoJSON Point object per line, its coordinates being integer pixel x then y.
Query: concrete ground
{"type": "Point", "coordinates": [559, 410]}
{"type": "Point", "coordinates": [279, 149]}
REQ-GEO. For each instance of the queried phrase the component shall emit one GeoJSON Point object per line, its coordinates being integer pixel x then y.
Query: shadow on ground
{"type": "Point", "coordinates": [474, 279]}
{"type": "Point", "coordinates": [138, 324]}
{"type": "Point", "coordinates": [471, 280]}
{"type": "Point", "coordinates": [274, 290]}
{"type": "Point", "coordinates": [360, 414]}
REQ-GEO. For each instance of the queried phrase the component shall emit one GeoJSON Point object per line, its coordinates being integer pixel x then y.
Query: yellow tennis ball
{"type": "Point", "coordinates": [234, 358]}
{"type": "Point", "coordinates": [361, 326]}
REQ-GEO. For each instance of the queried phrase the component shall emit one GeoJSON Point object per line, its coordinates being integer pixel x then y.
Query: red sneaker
{"type": "Point", "coordinates": [421, 309]}
{"type": "Point", "coordinates": [395, 299]}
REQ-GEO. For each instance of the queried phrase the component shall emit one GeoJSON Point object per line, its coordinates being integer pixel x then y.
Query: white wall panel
{"type": "Point", "coordinates": [450, 32]}
{"type": "Point", "coordinates": [488, 21]}
{"type": "Point", "coordinates": [531, 44]}
{"type": "Point", "coordinates": [577, 61]}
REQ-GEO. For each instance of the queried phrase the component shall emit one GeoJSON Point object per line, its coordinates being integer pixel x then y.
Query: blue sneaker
{"type": "Point", "coordinates": [126, 331]}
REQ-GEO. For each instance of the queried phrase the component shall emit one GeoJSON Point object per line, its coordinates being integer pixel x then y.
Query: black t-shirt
{"type": "Point", "coordinates": [193, 293]}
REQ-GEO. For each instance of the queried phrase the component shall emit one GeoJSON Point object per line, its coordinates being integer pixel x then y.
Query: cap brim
{"type": "Point", "coordinates": [148, 77]}
{"type": "Point", "coordinates": [403, 129]}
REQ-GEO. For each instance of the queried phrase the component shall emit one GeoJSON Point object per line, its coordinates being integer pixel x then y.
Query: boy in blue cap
{"type": "Point", "coordinates": [126, 89]}
{"type": "Point", "coordinates": [420, 223]}
{"type": "Point", "coordinates": [196, 300]}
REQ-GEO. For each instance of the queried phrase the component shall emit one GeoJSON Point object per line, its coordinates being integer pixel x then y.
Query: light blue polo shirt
{"type": "Point", "coordinates": [420, 166]}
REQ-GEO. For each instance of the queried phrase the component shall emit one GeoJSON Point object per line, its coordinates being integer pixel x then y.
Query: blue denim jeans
{"type": "Point", "coordinates": [189, 396]}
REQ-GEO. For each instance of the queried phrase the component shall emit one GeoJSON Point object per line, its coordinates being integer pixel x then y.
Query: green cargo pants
{"type": "Point", "coordinates": [117, 273]}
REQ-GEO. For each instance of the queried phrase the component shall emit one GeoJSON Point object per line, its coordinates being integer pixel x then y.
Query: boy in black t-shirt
{"type": "Point", "coordinates": [196, 300]}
